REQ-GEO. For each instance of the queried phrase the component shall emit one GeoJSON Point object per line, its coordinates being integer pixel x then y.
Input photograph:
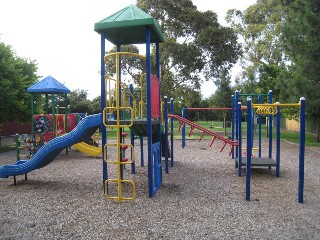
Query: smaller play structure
{"type": "Point", "coordinates": [47, 153]}
{"type": "Point", "coordinates": [245, 156]}
{"type": "Point", "coordinates": [56, 120]}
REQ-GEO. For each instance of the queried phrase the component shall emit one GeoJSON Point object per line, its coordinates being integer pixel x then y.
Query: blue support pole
{"type": "Point", "coordinates": [141, 151]}
{"type": "Point", "coordinates": [171, 123]}
{"type": "Point", "coordinates": [278, 118]}
{"type": "Point", "coordinates": [158, 76]}
{"type": "Point", "coordinates": [166, 133]}
{"type": "Point", "coordinates": [183, 132]}
{"type": "Point", "coordinates": [249, 149]}
{"type": "Point", "coordinates": [149, 120]}
{"type": "Point", "coordinates": [302, 148]}
{"type": "Point", "coordinates": [236, 95]}
{"type": "Point", "coordinates": [239, 115]}
{"type": "Point", "coordinates": [232, 122]}
{"type": "Point", "coordinates": [270, 126]}
{"type": "Point", "coordinates": [259, 129]}
{"type": "Point", "coordinates": [133, 165]}
{"type": "Point", "coordinates": [158, 61]}
{"type": "Point", "coordinates": [103, 105]}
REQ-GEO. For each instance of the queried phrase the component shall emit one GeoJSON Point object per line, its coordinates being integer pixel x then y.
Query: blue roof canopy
{"type": "Point", "coordinates": [48, 85]}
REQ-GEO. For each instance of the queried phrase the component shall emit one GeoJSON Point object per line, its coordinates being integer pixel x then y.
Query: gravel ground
{"type": "Point", "coordinates": [201, 198]}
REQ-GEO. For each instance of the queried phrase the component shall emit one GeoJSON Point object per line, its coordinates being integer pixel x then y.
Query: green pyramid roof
{"type": "Point", "coordinates": [128, 26]}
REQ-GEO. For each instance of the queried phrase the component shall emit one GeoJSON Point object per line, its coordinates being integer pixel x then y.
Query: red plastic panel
{"type": "Point", "coordinates": [155, 98]}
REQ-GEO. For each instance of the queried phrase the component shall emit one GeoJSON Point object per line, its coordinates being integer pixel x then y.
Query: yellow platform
{"type": "Point", "coordinates": [88, 149]}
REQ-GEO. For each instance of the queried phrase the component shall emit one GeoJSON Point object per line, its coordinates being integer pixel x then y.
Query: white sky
{"type": "Point", "coordinates": [60, 35]}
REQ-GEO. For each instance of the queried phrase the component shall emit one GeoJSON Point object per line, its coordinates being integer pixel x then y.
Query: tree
{"type": "Point", "coordinates": [16, 75]}
{"type": "Point", "coordinates": [132, 67]}
{"type": "Point", "coordinates": [96, 105]}
{"type": "Point", "coordinates": [301, 34]}
{"type": "Point", "coordinates": [196, 46]}
{"type": "Point", "coordinates": [79, 102]}
{"type": "Point", "coordinates": [259, 27]}
{"type": "Point", "coordinates": [222, 97]}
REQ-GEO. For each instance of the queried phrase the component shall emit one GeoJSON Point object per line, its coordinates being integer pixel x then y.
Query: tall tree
{"type": "Point", "coordinates": [259, 27]}
{"type": "Point", "coordinates": [16, 75]}
{"type": "Point", "coordinates": [301, 30]}
{"type": "Point", "coordinates": [79, 102]}
{"type": "Point", "coordinates": [196, 46]}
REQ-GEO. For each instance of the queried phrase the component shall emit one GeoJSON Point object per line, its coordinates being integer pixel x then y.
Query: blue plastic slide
{"type": "Point", "coordinates": [46, 154]}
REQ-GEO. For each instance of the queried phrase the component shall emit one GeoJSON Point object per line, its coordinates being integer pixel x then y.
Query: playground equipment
{"type": "Point", "coordinates": [236, 121]}
{"type": "Point", "coordinates": [131, 25]}
{"type": "Point", "coordinates": [204, 131]}
{"type": "Point", "coordinates": [46, 154]}
{"type": "Point", "coordinates": [183, 129]}
{"type": "Point", "coordinates": [270, 110]}
{"type": "Point", "coordinates": [56, 123]}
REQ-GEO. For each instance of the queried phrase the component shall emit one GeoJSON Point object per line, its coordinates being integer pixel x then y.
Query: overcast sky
{"type": "Point", "coordinates": [60, 35]}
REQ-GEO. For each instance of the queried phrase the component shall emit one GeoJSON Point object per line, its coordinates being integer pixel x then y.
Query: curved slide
{"type": "Point", "coordinates": [88, 149]}
{"type": "Point", "coordinates": [47, 153]}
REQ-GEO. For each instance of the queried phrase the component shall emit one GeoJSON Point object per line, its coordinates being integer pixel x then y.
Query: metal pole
{"type": "Point", "coordinates": [302, 148]}
{"type": "Point", "coordinates": [270, 126]}
{"type": "Point", "coordinates": [183, 132]}
{"type": "Point", "coordinates": [249, 148]}
{"type": "Point", "coordinates": [237, 119]}
{"type": "Point", "coordinates": [172, 135]}
{"type": "Point", "coordinates": [103, 105]}
{"type": "Point", "coordinates": [166, 132]}
{"type": "Point", "coordinates": [149, 122]}
{"type": "Point", "coordinates": [239, 115]}
{"type": "Point", "coordinates": [232, 123]}
{"type": "Point", "coordinates": [278, 118]}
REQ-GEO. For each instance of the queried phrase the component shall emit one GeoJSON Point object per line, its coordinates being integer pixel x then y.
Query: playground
{"type": "Point", "coordinates": [201, 198]}
{"type": "Point", "coordinates": [210, 188]}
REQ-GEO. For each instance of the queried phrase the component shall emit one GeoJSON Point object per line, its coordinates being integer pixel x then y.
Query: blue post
{"type": "Point", "coordinates": [133, 165]}
{"type": "Point", "coordinates": [103, 105]}
{"type": "Point", "coordinates": [278, 117]}
{"type": "Point", "coordinates": [237, 120]}
{"type": "Point", "coordinates": [239, 115]}
{"type": "Point", "coordinates": [183, 132]}
{"type": "Point", "coordinates": [232, 123]}
{"type": "Point", "coordinates": [149, 120]}
{"type": "Point", "coordinates": [259, 129]}
{"type": "Point", "coordinates": [249, 149]}
{"type": "Point", "coordinates": [141, 151]}
{"type": "Point", "coordinates": [171, 122]}
{"type": "Point", "coordinates": [270, 126]}
{"type": "Point", "coordinates": [166, 132]}
{"type": "Point", "coordinates": [302, 148]}
{"type": "Point", "coordinates": [158, 76]}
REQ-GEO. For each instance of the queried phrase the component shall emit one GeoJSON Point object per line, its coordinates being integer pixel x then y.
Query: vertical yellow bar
{"type": "Point", "coordinates": [118, 89]}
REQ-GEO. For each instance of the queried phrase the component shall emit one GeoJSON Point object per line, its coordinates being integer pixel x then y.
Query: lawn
{"type": "Point", "coordinates": [217, 127]}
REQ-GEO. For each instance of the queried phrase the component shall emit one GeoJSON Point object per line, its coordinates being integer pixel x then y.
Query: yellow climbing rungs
{"type": "Point", "coordinates": [119, 183]}
{"type": "Point", "coordinates": [118, 161]}
{"type": "Point", "coordinates": [117, 110]}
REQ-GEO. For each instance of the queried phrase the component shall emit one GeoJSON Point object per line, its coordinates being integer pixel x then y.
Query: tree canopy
{"type": "Point", "coordinates": [196, 46]}
{"type": "Point", "coordinates": [16, 75]}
